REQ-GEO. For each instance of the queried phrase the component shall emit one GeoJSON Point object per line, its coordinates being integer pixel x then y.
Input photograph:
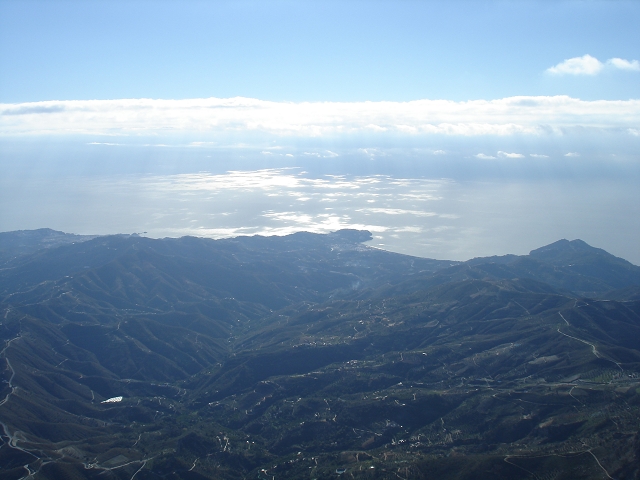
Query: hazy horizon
{"type": "Point", "coordinates": [450, 130]}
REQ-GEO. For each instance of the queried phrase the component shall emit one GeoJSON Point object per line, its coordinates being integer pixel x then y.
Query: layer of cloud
{"type": "Point", "coordinates": [215, 116]}
{"type": "Point", "coordinates": [510, 155]}
{"type": "Point", "coordinates": [588, 65]}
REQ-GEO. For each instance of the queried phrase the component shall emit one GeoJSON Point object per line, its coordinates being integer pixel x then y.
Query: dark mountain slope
{"type": "Point", "coordinates": [307, 355]}
{"type": "Point", "coordinates": [25, 242]}
{"type": "Point", "coordinates": [394, 372]}
{"type": "Point", "coordinates": [326, 263]}
{"type": "Point", "coordinates": [573, 267]}
{"type": "Point", "coordinates": [582, 259]}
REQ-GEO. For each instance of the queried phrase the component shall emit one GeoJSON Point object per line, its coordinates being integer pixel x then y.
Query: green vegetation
{"type": "Point", "coordinates": [312, 356]}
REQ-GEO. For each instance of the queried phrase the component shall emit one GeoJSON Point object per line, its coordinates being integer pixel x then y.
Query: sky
{"type": "Point", "coordinates": [449, 129]}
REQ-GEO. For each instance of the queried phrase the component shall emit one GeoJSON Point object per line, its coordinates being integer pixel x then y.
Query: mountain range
{"type": "Point", "coordinates": [314, 356]}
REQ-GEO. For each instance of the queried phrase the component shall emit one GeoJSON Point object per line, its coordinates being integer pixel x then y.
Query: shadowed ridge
{"type": "Point", "coordinates": [573, 267]}
{"type": "Point", "coordinates": [578, 257]}
{"type": "Point", "coordinates": [567, 251]}
{"type": "Point", "coordinates": [24, 242]}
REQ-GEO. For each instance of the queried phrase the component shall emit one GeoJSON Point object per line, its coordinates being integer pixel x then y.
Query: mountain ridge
{"type": "Point", "coordinates": [304, 355]}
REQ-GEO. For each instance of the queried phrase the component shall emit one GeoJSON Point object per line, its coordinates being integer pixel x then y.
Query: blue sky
{"type": "Point", "coordinates": [450, 129]}
{"type": "Point", "coordinates": [312, 50]}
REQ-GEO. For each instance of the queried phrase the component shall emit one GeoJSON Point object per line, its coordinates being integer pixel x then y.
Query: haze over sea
{"type": "Point", "coordinates": [499, 128]}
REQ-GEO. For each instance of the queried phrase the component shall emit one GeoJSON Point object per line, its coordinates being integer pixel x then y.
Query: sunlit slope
{"type": "Point", "coordinates": [194, 358]}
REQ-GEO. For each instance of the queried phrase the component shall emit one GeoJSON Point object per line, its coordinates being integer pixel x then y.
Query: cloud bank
{"type": "Point", "coordinates": [501, 117]}
{"type": "Point", "coordinates": [588, 65]}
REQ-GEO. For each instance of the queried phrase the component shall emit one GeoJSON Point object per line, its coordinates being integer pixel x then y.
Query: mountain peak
{"type": "Point", "coordinates": [577, 257]}
{"type": "Point", "coordinates": [566, 250]}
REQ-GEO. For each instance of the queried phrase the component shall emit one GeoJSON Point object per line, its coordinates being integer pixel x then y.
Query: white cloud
{"type": "Point", "coordinates": [572, 154]}
{"type": "Point", "coordinates": [326, 154]}
{"type": "Point", "coordinates": [538, 155]}
{"type": "Point", "coordinates": [585, 65]}
{"type": "Point", "coordinates": [510, 155]}
{"type": "Point", "coordinates": [212, 118]}
{"type": "Point", "coordinates": [439, 152]}
{"type": "Point", "coordinates": [376, 128]}
{"type": "Point", "coordinates": [588, 65]}
{"type": "Point", "coordinates": [623, 64]}
{"type": "Point", "coordinates": [482, 156]}
{"type": "Point", "coordinates": [397, 211]}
